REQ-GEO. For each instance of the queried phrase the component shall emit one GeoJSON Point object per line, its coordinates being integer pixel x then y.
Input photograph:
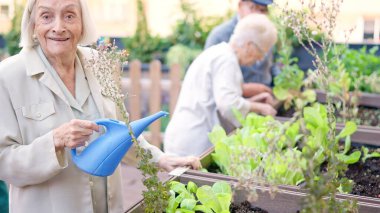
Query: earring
{"type": "Point", "coordinates": [34, 37]}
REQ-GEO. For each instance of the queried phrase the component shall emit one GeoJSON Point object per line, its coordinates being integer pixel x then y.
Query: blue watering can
{"type": "Point", "coordinates": [101, 157]}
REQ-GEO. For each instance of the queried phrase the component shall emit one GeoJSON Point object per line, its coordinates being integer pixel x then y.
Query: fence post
{"type": "Point", "coordinates": [155, 101]}
{"type": "Point", "coordinates": [175, 86]}
{"type": "Point", "coordinates": [134, 96]}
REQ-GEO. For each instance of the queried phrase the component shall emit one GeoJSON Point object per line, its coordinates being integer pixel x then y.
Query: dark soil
{"type": "Point", "coordinates": [245, 207]}
{"type": "Point", "coordinates": [366, 177]}
{"type": "Point", "coordinates": [369, 116]}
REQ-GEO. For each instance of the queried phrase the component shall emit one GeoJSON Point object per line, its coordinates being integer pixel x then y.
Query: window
{"type": "Point", "coordinates": [371, 32]}
{"type": "Point", "coordinates": [4, 11]}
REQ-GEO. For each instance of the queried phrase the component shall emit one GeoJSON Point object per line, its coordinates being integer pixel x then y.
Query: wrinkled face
{"type": "Point", "coordinates": [248, 7]}
{"type": "Point", "coordinates": [251, 53]}
{"type": "Point", "coordinates": [58, 26]}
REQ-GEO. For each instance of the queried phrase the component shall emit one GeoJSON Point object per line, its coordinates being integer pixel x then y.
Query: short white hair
{"type": "Point", "coordinates": [89, 35]}
{"type": "Point", "coordinates": [256, 28]}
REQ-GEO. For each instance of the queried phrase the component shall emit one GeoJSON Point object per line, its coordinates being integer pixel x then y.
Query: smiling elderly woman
{"type": "Point", "coordinates": [48, 99]}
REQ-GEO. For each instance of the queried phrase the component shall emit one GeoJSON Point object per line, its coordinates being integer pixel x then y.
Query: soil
{"type": "Point", "coordinates": [245, 207]}
{"type": "Point", "coordinates": [366, 177]}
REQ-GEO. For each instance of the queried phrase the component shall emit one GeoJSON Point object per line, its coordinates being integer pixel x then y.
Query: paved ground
{"type": "Point", "coordinates": [132, 185]}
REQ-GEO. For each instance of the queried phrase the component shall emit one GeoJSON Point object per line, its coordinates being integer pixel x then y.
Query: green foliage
{"type": "Point", "coordinates": [142, 45]}
{"type": "Point", "coordinates": [274, 148]}
{"type": "Point", "coordinates": [208, 199]}
{"type": "Point", "coordinates": [182, 55]}
{"type": "Point", "coordinates": [288, 84]}
{"type": "Point", "coordinates": [366, 154]}
{"type": "Point", "coordinates": [279, 159]}
{"type": "Point", "coordinates": [360, 67]}
{"type": "Point", "coordinates": [193, 29]}
{"type": "Point", "coordinates": [13, 36]}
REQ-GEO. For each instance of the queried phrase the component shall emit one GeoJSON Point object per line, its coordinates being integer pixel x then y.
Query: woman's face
{"type": "Point", "coordinates": [58, 26]}
{"type": "Point", "coordinates": [251, 53]}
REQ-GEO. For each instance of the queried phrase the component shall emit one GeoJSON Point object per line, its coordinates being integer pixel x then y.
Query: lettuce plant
{"type": "Point", "coordinates": [191, 198]}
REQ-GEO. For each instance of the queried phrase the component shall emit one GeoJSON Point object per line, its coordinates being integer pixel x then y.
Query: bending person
{"type": "Point", "coordinates": [259, 76]}
{"type": "Point", "coordinates": [213, 85]}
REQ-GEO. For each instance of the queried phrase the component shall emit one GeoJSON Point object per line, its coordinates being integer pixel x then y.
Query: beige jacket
{"type": "Point", "coordinates": [31, 106]}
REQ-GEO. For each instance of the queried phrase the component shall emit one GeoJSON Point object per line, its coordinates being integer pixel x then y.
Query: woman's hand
{"type": "Point", "coordinates": [252, 89]}
{"type": "Point", "coordinates": [168, 163]}
{"type": "Point", "coordinates": [263, 108]}
{"type": "Point", "coordinates": [73, 134]}
{"type": "Point", "coordinates": [264, 97]}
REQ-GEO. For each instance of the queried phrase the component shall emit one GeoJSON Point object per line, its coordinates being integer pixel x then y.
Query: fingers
{"type": "Point", "coordinates": [169, 163]}
{"type": "Point", "coordinates": [74, 133]}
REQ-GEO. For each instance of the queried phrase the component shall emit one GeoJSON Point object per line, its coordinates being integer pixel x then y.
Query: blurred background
{"type": "Point", "coordinates": [162, 24]}
{"type": "Point", "coordinates": [173, 33]}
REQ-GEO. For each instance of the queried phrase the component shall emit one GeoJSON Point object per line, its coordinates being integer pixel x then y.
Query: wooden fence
{"type": "Point", "coordinates": [146, 90]}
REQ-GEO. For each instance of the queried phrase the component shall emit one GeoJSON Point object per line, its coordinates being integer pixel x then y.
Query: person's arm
{"type": "Point", "coordinates": [168, 162]}
{"type": "Point", "coordinates": [252, 89]}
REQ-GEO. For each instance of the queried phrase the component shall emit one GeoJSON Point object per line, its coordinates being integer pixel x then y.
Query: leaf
{"type": "Point", "coordinates": [188, 203]}
{"type": "Point", "coordinates": [177, 187]}
{"type": "Point", "coordinates": [207, 197]}
{"type": "Point", "coordinates": [347, 145]}
{"type": "Point", "coordinates": [349, 129]}
{"type": "Point", "coordinates": [310, 95]}
{"type": "Point", "coordinates": [192, 187]}
{"type": "Point", "coordinates": [224, 200]}
{"type": "Point", "coordinates": [221, 187]}
{"type": "Point", "coordinates": [203, 208]}
{"type": "Point", "coordinates": [349, 159]}
{"type": "Point", "coordinates": [280, 93]}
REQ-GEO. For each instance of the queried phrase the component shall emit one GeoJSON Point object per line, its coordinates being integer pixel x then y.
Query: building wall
{"type": "Point", "coordinates": [117, 18]}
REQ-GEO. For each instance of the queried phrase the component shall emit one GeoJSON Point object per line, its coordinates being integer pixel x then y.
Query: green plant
{"type": "Point", "coordinates": [193, 29]}
{"type": "Point", "coordinates": [13, 36]}
{"type": "Point", "coordinates": [143, 46]}
{"type": "Point", "coordinates": [366, 155]}
{"type": "Point", "coordinates": [191, 198]}
{"type": "Point", "coordinates": [106, 66]}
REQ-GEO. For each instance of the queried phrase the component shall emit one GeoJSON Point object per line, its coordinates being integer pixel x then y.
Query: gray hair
{"type": "Point", "coordinates": [256, 28]}
{"type": "Point", "coordinates": [89, 35]}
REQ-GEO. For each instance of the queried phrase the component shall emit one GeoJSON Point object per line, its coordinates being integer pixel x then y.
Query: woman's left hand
{"type": "Point", "coordinates": [168, 163]}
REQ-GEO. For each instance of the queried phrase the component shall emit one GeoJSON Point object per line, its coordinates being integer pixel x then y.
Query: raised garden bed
{"type": "Point", "coordinates": [364, 134]}
{"type": "Point", "coordinates": [365, 204]}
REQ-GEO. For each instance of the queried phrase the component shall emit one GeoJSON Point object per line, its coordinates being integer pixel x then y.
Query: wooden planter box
{"type": "Point", "coordinates": [367, 135]}
{"type": "Point", "coordinates": [365, 99]}
{"type": "Point", "coordinates": [288, 198]}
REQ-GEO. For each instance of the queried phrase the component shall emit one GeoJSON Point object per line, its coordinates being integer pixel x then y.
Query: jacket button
{"type": "Point", "coordinates": [38, 115]}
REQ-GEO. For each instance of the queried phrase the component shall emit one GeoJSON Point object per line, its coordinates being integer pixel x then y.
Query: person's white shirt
{"type": "Point", "coordinates": [212, 85]}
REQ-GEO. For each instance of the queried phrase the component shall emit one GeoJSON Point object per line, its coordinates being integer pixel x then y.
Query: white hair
{"type": "Point", "coordinates": [89, 35]}
{"type": "Point", "coordinates": [256, 28]}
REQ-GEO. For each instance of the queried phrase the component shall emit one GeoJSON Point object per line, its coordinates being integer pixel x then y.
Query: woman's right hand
{"type": "Point", "coordinates": [263, 108]}
{"type": "Point", "coordinates": [73, 134]}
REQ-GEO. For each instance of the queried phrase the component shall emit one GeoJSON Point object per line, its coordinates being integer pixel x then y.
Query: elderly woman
{"type": "Point", "coordinates": [212, 87]}
{"type": "Point", "coordinates": [48, 99]}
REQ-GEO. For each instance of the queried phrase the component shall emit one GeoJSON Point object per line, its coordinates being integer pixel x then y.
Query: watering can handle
{"type": "Point", "coordinates": [107, 123]}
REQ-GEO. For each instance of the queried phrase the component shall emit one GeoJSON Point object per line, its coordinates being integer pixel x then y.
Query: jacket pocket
{"type": "Point", "coordinates": [38, 111]}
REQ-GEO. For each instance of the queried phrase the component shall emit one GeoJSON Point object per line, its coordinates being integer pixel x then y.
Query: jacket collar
{"type": "Point", "coordinates": [35, 66]}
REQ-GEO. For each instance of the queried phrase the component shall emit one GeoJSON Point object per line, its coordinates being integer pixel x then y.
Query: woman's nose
{"type": "Point", "coordinates": [59, 26]}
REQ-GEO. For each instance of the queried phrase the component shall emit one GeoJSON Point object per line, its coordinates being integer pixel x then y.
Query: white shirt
{"type": "Point", "coordinates": [213, 83]}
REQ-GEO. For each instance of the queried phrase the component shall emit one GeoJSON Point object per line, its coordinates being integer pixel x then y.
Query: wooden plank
{"type": "Point", "coordinates": [175, 86]}
{"type": "Point", "coordinates": [134, 94]}
{"type": "Point", "coordinates": [155, 101]}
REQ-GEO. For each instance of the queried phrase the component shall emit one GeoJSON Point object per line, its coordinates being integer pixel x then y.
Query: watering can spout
{"type": "Point", "coordinates": [103, 155]}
